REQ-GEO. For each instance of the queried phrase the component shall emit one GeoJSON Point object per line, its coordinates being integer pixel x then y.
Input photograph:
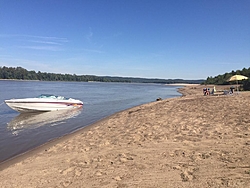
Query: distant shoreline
{"type": "Point", "coordinates": [182, 84]}
{"type": "Point", "coordinates": [174, 84]}
{"type": "Point", "coordinates": [19, 80]}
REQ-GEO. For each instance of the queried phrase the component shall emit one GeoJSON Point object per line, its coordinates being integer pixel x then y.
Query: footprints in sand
{"type": "Point", "coordinates": [99, 168]}
{"type": "Point", "coordinates": [187, 173]}
{"type": "Point", "coordinates": [70, 174]}
{"type": "Point", "coordinates": [165, 142]}
{"type": "Point", "coordinates": [68, 170]}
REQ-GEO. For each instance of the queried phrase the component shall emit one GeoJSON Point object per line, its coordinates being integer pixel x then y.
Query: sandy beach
{"type": "Point", "coordinates": [189, 141]}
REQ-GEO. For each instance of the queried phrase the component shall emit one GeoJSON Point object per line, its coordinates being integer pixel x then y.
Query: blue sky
{"type": "Point", "coordinates": [188, 39]}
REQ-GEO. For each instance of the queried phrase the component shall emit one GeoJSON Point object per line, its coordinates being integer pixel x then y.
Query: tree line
{"type": "Point", "coordinates": [223, 79]}
{"type": "Point", "coordinates": [20, 73]}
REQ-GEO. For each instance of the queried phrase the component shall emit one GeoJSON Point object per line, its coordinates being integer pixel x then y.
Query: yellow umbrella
{"type": "Point", "coordinates": [236, 78]}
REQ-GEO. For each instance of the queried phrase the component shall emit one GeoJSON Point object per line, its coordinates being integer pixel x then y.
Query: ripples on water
{"type": "Point", "coordinates": [21, 132]}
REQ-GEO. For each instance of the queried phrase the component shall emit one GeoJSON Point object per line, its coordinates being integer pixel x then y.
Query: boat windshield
{"type": "Point", "coordinates": [48, 96]}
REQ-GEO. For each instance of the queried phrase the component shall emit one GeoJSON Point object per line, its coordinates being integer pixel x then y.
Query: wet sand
{"type": "Point", "coordinates": [190, 141]}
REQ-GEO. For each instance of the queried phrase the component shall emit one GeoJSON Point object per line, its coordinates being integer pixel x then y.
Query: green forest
{"type": "Point", "coordinates": [19, 73]}
{"type": "Point", "coordinates": [223, 79]}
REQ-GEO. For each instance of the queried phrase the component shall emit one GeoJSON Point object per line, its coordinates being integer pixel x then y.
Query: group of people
{"type": "Point", "coordinates": [206, 91]}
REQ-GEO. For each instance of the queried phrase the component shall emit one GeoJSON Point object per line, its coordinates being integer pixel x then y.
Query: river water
{"type": "Point", "coordinates": [22, 132]}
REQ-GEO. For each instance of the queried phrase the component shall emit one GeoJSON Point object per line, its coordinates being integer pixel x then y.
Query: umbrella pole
{"type": "Point", "coordinates": [237, 86]}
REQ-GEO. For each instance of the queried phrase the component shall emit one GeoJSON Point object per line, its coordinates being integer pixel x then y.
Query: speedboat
{"type": "Point", "coordinates": [43, 103]}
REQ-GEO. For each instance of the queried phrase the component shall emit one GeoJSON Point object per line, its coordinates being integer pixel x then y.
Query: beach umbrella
{"type": "Point", "coordinates": [236, 78]}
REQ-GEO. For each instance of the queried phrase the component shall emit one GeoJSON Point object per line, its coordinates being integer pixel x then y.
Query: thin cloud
{"type": "Point", "coordinates": [45, 42]}
{"type": "Point", "coordinates": [35, 42]}
{"type": "Point", "coordinates": [48, 48]}
{"type": "Point", "coordinates": [59, 39]}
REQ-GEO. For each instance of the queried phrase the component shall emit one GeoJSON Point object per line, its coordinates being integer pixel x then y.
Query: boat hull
{"type": "Point", "coordinates": [40, 105]}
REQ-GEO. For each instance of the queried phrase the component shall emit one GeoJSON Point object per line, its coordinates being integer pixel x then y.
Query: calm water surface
{"type": "Point", "coordinates": [22, 132]}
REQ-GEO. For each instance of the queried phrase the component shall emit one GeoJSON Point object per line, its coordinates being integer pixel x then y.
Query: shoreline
{"type": "Point", "coordinates": [188, 141]}
{"type": "Point", "coordinates": [15, 159]}
{"type": "Point", "coordinates": [182, 84]}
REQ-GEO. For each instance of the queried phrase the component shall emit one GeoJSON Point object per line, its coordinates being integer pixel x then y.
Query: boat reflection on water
{"type": "Point", "coordinates": [37, 119]}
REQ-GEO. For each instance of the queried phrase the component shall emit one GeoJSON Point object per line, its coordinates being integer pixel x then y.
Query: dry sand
{"type": "Point", "coordinates": [190, 141]}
